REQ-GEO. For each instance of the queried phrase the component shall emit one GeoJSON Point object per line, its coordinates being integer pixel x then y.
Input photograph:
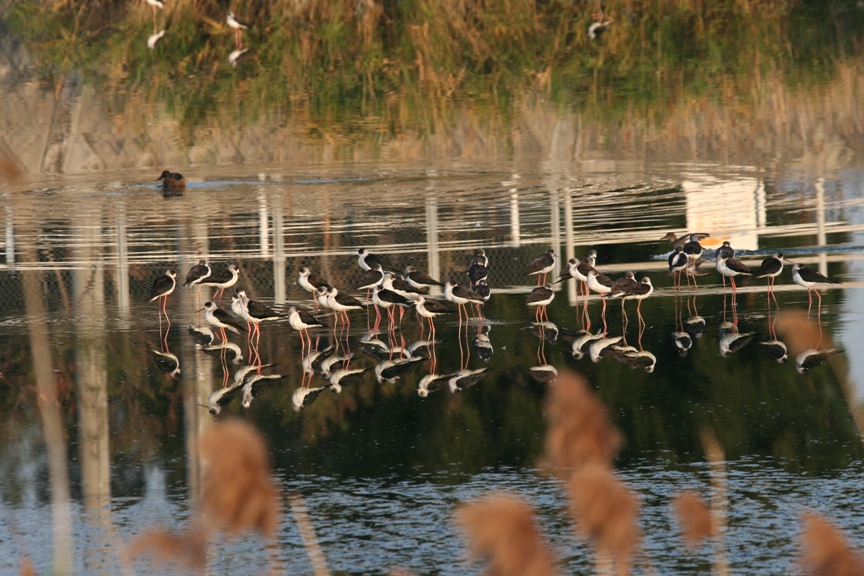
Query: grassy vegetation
{"type": "Point", "coordinates": [361, 69]}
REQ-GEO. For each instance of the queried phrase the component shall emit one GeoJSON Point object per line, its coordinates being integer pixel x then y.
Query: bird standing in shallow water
{"type": "Point", "coordinates": [542, 265]}
{"type": "Point", "coordinates": [770, 268]}
{"type": "Point", "coordinates": [238, 28]}
{"type": "Point", "coordinates": [809, 278]}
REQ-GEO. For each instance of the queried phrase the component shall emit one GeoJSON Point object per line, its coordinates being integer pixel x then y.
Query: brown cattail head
{"type": "Point", "coordinates": [694, 517]}
{"type": "Point", "coordinates": [825, 551]}
{"type": "Point", "coordinates": [188, 549]}
{"type": "Point", "coordinates": [606, 512]}
{"type": "Point", "coordinates": [27, 568]}
{"type": "Point", "coordinates": [503, 529]}
{"type": "Point", "coordinates": [237, 491]}
{"type": "Point", "coordinates": [800, 332]}
{"type": "Point", "coordinates": [579, 430]}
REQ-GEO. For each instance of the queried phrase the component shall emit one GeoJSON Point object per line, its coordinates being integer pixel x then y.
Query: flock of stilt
{"type": "Point", "coordinates": [236, 26]}
{"type": "Point", "coordinates": [393, 292]}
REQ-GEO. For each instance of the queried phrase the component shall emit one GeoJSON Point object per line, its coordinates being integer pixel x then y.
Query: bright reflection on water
{"type": "Point", "coordinates": [380, 468]}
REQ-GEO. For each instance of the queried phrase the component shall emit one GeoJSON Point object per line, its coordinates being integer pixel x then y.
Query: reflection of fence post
{"type": "Point", "coordinates": [821, 239]}
{"type": "Point", "coordinates": [278, 251]}
{"type": "Point", "coordinates": [569, 250]}
{"type": "Point", "coordinates": [515, 229]}
{"type": "Point", "coordinates": [91, 376]}
{"type": "Point", "coordinates": [121, 276]}
{"type": "Point", "coordinates": [263, 228]}
{"type": "Point", "coordinates": [555, 228]}
{"type": "Point", "coordinates": [10, 239]}
{"type": "Point", "coordinates": [432, 248]}
{"type": "Point", "coordinates": [49, 408]}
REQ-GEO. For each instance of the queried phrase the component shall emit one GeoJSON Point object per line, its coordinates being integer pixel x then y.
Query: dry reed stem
{"type": "Point", "coordinates": [825, 550]}
{"type": "Point", "coordinates": [503, 528]}
{"type": "Point", "coordinates": [579, 431]}
{"type": "Point", "coordinates": [717, 463]}
{"type": "Point", "coordinates": [694, 517]}
{"type": "Point", "coordinates": [237, 491]}
{"type": "Point", "coordinates": [307, 534]}
{"type": "Point", "coordinates": [606, 512]}
{"type": "Point", "coordinates": [188, 549]}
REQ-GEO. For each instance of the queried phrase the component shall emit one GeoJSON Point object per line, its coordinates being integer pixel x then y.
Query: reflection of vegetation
{"type": "Point", "coordinates": [360, 69]}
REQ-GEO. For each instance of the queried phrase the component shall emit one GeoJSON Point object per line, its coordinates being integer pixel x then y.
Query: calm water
{"type": "Point", "coordinates": [381, 468]}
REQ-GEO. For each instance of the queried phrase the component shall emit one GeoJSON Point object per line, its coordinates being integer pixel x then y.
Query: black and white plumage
{"type": "Point", "coordinates": [219, 318]}
{"type": "Point", "coordinates": [482, 344]}
{"type": "Point", "coordinates": [542, 265]}
{"type": "Point", "coordinates": [678, 261]}
{"type": "Point", "coordinates": [540, 296]}
{"type": "Point", "coordinates": [482, 288]}
{"type": "Point", "coordinates": [691, 237]}
{"type": "Point", "coordinates": [730, 267]}
{"type": "Point", "coordinates": [255, 383]}
{"type": "Point", "coordinates": [601, 347]}
{"type": "Point", "coordinates": [431, 383]}
{"type": "Point", "coordinates": [384, 298]}
{"type": "Point", "coordinates": [400, 286]}
{"type": "Point", "coordinates": [479, 259]}
{"type": "Point", "coordinates": [221, 397]}
{"type": "Point", "coordinates": [163, 285]}
{"type": "Point", "coordinates": [328, 363]}
{"type": "Point", "coordinates": [197, 273]}
{"type": "Point", "coordinates": [222, 279]}
{"type": "Point", "coordinates": [464, 379]}
{"type": "Point", "coordinates": [341, 302]}
{"type": "Point", "coordinates": [774, 349]}
{"type": "Point", "coordinates": [731, 340]}
{"type": "Point", "coordinates": [166, 362]}
{"type": "Point", "coordinates": [460, 295]}
{"type": "Point", "coordinates": [234, 23]}
{"type": "Point", "coordinates": [770, 267]}
{"type": "Point", "coordinates": [339, 375]}
{"type": "Point", "coordinates": [811, 358]}
{"type": "Point", "coordinates": [257, 312]}
{"type": "Point", "coordinates": [683, 342]}
{"type": "Point", "coordinates": [231, 352]}
{"type": "Point", "coordinates": [419, 279]}
{"type": "Point", "coordinates": [477, 274]}
{"type": "Point", "coordinates": [390, 371]}
{"type": "Point", "coordinates": [692, 249]}
{"type": "Point", "coordinates": [599, 283]}
{"type": "Point", "coordinates": [725, 250]}
{"type": "Point", "coordinates": [367, 261]}
{"type": "Point", "coordinates": [544, 373]}
{"type": "Point", "coordinates": [640, 291]}
{"type": "Point", "coordinates": [372, 278]}
{"type": "Point", "coordinates": [303, 397]}
{"type": "Point", "coordinates": [622, 285]}
{"type": "Point", "coordinates": [302, 321]}
{"type": "Point", "coordinates": [809, 278]}
{"type": "Point", "coordinates": [583, 338]}
{"type": "Point", "coordinates": [202, 336]}
{"type": "Point", "coordinates": [598, 28]}
{"type": "Point", "coordinates": [311, 282]}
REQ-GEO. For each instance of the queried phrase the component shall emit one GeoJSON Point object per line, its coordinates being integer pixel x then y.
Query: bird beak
{"type": "Point", "coordinates": [201, 310]}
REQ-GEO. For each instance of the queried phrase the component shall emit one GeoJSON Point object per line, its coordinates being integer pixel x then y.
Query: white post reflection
{"type": "Point", "coordinates": [48, 405]}
{"type": "Point", "coordinates": [432, 249]}
{"type": "Point", "coordinates": [121, 276]}
{"type": "Point", "coordinates": [555, 229]}
{"type": "Point", "coordinates": [91, 380]}
{"type": "Point", "coordinates": [515, 227]}
{"type": "Point", "coordinates": [10, 238]}
{"type": "Point", "coordinates": [278, 250]}
{"type": "Point", "coordinates": [263, 223]}
{"type": "Point", "coordinates": [821, 237]}
{"type": "Point", "coordinates": [569, 249]}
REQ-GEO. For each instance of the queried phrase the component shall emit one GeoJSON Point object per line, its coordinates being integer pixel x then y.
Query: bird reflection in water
{"type": "Point", "coordinates": [731, 340]}
{"type": "Point", "coordinates": [166, 362]}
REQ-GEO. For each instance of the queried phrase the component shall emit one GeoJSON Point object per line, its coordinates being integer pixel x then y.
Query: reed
{"type": "Point", "coordinates": [825, 550]}
{"type": "Point", "coordinates": [352, 66]}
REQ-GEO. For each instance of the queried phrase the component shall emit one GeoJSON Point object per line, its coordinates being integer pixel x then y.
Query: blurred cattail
{"type": "Point", "coordinates": [825, 551]}
{"type": "Point", "coordinates": [237, 491]}
{"type": "Point", "coordinates": [188, 549]}
{"type": "Point", "coordinates": [800, 332]}
{"type": "Point", "coordinates": [694, 517]}
{"type": "Point", "coordinates": [579, 431]}
{"type": "Point", "coordinates": [606, 512]}
{"type": "Point", "coordinates": [27, 568]}
{"type": "Point", "coordinates": [503, 529]}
